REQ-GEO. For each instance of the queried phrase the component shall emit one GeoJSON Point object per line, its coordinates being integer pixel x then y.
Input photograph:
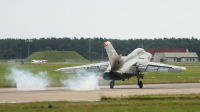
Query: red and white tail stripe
{"type": "Point", "coordinates": [106, 43]}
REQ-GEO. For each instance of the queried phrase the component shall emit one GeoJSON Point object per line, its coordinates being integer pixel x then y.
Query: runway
{"type": "Point", "coordinates": [12, 95]}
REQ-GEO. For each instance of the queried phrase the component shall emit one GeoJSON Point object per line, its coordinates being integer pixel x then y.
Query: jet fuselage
{"type": "Point", "coordinates": [124, 67]}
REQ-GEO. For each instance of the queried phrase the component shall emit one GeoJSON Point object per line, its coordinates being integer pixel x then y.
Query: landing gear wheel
{"type": "Point", "coordinates": [112, 83]}
{"type": "Point", "coordinates": [140, 84]}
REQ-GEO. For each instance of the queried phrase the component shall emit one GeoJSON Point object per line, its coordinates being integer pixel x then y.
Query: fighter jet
{"type": "Point", "coordinates": [124, 67]}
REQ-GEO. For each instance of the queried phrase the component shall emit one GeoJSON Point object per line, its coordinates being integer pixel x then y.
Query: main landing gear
{"type": "Point", "coordinates": [112, 83]}
{"type": "Point", "coordinates": [140, 83]}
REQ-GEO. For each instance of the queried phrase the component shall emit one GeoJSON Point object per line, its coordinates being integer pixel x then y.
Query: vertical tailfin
{"type": "Point", "coordinates": [112, 54]}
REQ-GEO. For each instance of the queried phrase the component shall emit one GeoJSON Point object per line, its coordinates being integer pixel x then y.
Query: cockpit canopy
{"type": "Point", "coordinates": [138, 50]}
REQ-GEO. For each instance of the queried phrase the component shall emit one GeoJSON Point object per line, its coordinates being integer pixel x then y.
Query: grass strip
{"type": "Point", "coordinates": [142, 103]}
{"type": "Point", "coordinates": [153, 97]}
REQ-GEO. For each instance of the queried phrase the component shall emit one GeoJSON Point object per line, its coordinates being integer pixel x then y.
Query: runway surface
{"type": "Point", "coordinates": [12, 95]}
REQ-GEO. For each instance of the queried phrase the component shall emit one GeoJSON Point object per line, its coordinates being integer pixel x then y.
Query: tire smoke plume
{"type": "Point", "coordinates": [25, 80]}
{"type": "Point", "coordinates": [82, 81]}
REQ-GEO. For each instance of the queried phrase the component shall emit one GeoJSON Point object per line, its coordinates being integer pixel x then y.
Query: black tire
{"type": "Point", "coordinates": [111, 84]}
{"type": "Point", "coordinates": [140, 84]}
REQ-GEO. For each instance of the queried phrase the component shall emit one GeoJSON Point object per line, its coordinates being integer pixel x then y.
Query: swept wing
{"type": "Point", "coordinates": [98, 67]}
{"type": "Point", "coordinates": [159, 67]}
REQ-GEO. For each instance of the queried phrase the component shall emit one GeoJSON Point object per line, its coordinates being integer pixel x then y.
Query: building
{"type": "Point", "coordinates": [153, 51]}
{"type": "Point", "coordinates": [173, 55]}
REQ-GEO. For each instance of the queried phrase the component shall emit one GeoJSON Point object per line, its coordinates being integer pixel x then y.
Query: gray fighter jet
{"type": "Point", "coordinates": [124, 67]}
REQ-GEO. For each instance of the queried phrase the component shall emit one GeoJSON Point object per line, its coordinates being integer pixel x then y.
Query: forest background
{"type": "Point", "coordinates": [90, 48]}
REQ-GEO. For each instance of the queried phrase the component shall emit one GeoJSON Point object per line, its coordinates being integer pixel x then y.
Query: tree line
{"type": "Point", "coordinates": [90, 48]}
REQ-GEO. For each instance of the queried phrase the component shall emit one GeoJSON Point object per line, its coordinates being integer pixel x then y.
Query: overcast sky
{"type": "Point", "coordinates": [121, 19]}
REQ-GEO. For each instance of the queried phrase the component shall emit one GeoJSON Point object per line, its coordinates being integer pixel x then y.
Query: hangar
{"type": "Point", "coordinates": [173, 55]}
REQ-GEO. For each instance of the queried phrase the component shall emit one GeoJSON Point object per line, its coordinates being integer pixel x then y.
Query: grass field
{"type": "Point", "coordinates": [191, 75]}
{"type": "Point", "coordinates": [141, 103]}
